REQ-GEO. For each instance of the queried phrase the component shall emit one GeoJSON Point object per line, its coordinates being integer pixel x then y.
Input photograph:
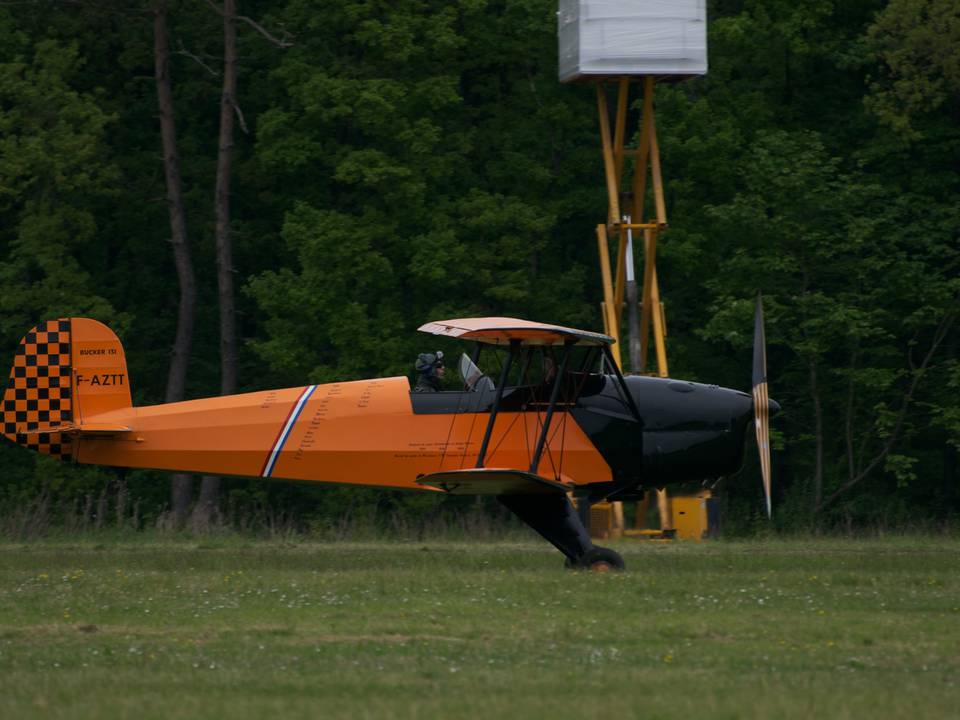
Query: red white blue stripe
{"type": "Point", "coordinates": [285, 432]}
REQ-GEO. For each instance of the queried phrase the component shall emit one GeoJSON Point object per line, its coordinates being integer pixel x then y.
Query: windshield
{"type": "Point", "coordinates": [473, 377]}
{"type": "Point", "coordinates": [469, 371]}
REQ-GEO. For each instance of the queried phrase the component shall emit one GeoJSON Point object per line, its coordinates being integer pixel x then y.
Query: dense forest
{"type": "Point", "coordinates": [346, 171]}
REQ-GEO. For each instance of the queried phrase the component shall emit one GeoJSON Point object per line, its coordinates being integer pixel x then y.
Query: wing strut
{"type": "Point", "coordinates": [541, 441]}
{"type": "Point", "coordinates": [623, 383]}
{"type": "Point", "coordinates": [514, 344]}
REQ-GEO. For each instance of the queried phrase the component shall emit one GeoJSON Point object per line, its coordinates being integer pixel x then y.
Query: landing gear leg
{"type": "Point", "coordinates": [554, 517]}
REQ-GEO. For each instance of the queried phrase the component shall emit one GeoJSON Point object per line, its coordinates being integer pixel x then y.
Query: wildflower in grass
{"type": "Point", "coordinates": [668, 658]}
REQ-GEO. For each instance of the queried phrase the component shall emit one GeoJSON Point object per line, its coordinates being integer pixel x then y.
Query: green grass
{"type": "Point", "coordinates": [248, 629]}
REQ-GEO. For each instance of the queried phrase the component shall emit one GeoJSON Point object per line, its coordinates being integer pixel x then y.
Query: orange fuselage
{"type": "Point", "coordinates": [363, 432]}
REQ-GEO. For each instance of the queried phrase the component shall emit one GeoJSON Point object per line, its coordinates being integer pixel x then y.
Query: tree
{"type": "Point", "coordinates": [409, 161]}
{"type": "Point", "coordinates": [54, 167]}
{"type": "Point", "coordinates": [180, 483]}
{"type": "Point", "coordinates": [226, 299]}
{"type": "Point", "coordinates": [431, 151]}
{"type": "Point", "coordinates": [863, 307]}
{"type": "Point", "coordinates": [918, 45]}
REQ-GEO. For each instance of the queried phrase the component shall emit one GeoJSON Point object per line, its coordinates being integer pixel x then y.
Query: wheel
{"type": "Point", "coordinates": [597, 559]}
{"type": "Point", "coordinates": [602, 559]}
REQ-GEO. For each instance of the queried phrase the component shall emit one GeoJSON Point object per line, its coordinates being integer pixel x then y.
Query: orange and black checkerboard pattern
{"type": "Point", "coordinates": [38, 393]}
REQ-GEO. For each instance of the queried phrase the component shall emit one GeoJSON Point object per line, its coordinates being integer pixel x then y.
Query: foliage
{"type": "Point", "coordinates": [52, 139]}
{"type": "Point", "coordinates": [918, 44]}
{"type": "Point", "coordinates": [405, 162]}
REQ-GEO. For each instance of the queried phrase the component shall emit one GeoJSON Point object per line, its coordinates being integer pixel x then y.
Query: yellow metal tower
{"type": "Point", "coordinates": [626, 214]}
{"type": "Point", "coordinates": [625, 44]}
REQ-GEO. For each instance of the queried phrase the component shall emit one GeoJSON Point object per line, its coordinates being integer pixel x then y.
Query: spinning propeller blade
{"type": "Point", "coordinates": [761, 399]}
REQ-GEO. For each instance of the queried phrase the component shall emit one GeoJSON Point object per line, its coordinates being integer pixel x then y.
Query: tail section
{"type": "Point", "coordinates": [64, 372]}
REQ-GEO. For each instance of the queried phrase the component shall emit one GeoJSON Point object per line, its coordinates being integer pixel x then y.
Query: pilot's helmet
{"type": "Point", "coordinates": [429, 363]}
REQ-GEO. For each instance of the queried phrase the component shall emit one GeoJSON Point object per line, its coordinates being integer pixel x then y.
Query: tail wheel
{"type": "Point", "coordinates": [598, 559]}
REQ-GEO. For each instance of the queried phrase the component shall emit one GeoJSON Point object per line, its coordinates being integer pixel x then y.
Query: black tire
{"type": "Point", "coordinates": [602, 559]}
{"type": "Point", "coordinates": [597, 559]}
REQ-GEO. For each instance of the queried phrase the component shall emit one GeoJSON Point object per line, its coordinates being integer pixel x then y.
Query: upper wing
{"type": "Point", "coordinates": [501, 331]}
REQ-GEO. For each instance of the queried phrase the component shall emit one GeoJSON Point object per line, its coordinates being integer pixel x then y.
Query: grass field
{"type": "Point", "coordinates": [248, 629]}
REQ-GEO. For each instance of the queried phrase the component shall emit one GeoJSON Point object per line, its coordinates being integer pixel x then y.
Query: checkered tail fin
{"type": "Point", "coordinates": [64, 372]}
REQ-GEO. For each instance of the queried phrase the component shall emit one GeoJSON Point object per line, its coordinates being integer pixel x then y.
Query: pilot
{"type": "Point", "coordinates": [431, 371]}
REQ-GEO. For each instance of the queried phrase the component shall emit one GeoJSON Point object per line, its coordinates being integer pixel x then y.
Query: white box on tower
{"type": "Point", "coordinates": [610, 38]}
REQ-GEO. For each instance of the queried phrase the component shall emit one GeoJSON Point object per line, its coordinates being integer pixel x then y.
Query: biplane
{"type": "Point", "coordinates": [555, 419]}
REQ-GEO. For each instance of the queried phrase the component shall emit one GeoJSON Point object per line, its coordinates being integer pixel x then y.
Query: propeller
{"type": "Point", "coordinates": [762, 405]}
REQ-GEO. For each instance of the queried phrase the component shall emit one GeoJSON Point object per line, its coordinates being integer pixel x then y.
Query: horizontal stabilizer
{"type": "Point", "coordinates": [492, 481]}
{"type": "Point", "coordinates": [82, 429]}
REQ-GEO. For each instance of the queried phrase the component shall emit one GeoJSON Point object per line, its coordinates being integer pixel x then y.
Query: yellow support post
{"type": "Point", "coordinates": [651, 309]}
{"type": "Point", "coordinates": [609, 166]}
{"type": "Point", "coordinates": [621, 128]}
{"type": "Point", "coordinates": [659, 328]}
{"type": "Point", "coordinates": [654, 153]}
{"type": "Point", "coordinates": [642, 161]}
{"type": "Point", "coordinates": [610, 317]}
{"type": "Point", "coordinates": [623, 93]}
{"type": "Point", "coordinates": [663, 507]}
{"type": "Point", "coordinates": [646, 303]}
